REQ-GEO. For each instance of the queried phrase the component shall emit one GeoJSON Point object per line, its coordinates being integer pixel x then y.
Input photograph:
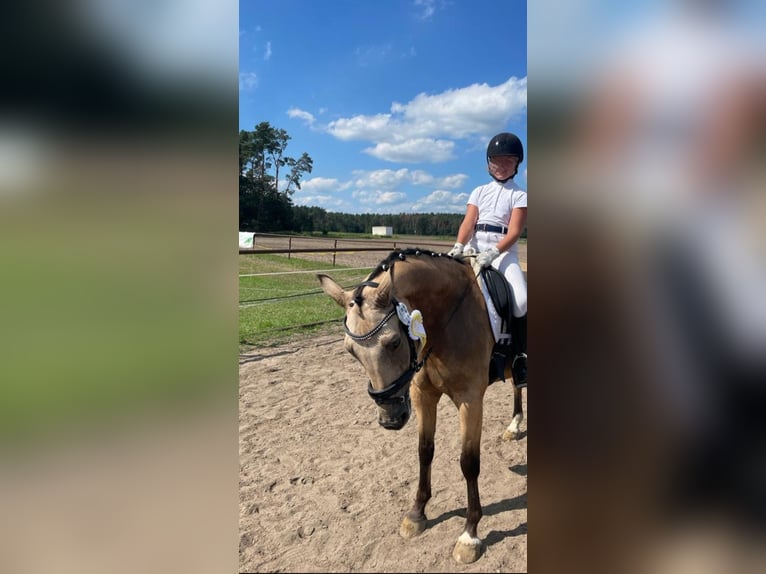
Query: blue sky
{"type": "Point", "coordinates": [394, 100]}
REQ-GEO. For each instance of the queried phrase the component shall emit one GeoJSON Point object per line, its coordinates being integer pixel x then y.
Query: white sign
{"type": "Point", "coordinates": [246, 240]}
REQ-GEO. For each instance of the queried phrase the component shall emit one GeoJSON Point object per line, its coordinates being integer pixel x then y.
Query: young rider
{"type": "Point", "coordinates": [495, 216]}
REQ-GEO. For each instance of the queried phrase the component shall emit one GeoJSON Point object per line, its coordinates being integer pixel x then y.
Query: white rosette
{"type": "Point", "coordinates": [414, 322]}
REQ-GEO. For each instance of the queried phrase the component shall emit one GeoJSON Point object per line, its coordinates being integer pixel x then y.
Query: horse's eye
{"type": "Point", "coordinates": [393, 343]}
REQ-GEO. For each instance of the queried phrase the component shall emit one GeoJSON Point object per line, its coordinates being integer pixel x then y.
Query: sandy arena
{"type": "Point", "coordinates": [323, 487]}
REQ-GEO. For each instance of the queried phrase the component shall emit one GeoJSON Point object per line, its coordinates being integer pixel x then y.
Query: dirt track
{"type": "Point", "coordinates": [323, 487]}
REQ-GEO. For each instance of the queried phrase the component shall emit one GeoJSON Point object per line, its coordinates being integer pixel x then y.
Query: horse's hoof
{"type": "Point", "coordinates": [411, 528]}
{"type": "Point", "coordinates": [467, 549]}
{"type": "Point", "coordinates": [510, 435]}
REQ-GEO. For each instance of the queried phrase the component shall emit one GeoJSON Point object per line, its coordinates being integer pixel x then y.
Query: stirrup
{"type": "Point", "coordinates": [520, 374]}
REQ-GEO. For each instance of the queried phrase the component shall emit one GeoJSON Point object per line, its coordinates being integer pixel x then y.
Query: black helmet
{"type": "Point", "coordinates": [505, 144]}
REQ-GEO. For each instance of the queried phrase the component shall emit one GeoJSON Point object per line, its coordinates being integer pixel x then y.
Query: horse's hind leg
{"type": "Point", "coordinates": [514, 429]}
{"type": "Point", "coordinates": [414, 521]}
{"type": "Point", "coordinates": [468, 547]}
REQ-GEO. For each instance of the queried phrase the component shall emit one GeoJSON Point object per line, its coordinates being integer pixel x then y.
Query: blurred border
{"type": "Point", "coordinates": [118, 206]}
{"type": "Point", "coordinates": [647, 335]}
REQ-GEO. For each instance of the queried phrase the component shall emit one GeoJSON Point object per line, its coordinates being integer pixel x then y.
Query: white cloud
{"type": "Point", "coordinates": [389, 197]}
{"type": "Point", "coordinates": [324, 192]}
{"type": "Point", "coordinates": [414, 151]}
{"type": "Point", "coordinates": [441, 201]}
{"type": "Point", "coordinates": [301, 115]}
{"type": "Point", "coordinates": [319, 184]}
{"type": "Point", "coordinates": [267, 54]}
{"type": "Point", "coordinates": [454, 181]}
{"type": "Point", "coordinates": [427, 8]}
{"type": "Point", "coordinates": [371, 128]}
{"type": "Point", "coordinates": [379, 197]}
{"type": "Point", "coordinates": [381, 178]}
{"type": "Point", "coordinates": [248, 80]}
{"type": "Point", "coordinates": [330, 202]}
{"type": "Point", "coordinates": [384, 190]}
{"type": "Point", "coordinates": [390, 179]}
{"type": "Point", "coordinates": [420, 177]}
{"type": "Point", "coordinates": [421, 130]}
{"type": "Point", "coordinates": [474, 110]}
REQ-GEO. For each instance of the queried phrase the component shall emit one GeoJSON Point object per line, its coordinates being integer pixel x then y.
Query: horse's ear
{"type": "Point", "coordinates": [383, 294]}
{"type": "Point", "coordinates": [334, 290]}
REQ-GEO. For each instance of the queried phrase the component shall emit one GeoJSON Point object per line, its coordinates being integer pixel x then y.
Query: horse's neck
{"type": "Point", "coordinates": [435, 290]}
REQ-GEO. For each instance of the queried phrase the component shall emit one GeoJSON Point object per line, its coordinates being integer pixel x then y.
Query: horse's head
{"type": "Point", "coordinates": [377, 339]}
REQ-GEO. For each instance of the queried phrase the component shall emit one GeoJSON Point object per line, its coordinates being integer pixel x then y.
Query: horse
{"type": "Point", "coordinates": [410, 366]}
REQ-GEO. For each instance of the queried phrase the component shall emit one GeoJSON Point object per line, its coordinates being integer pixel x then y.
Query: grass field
{"type": "Point", "coordinates": [276, 307]}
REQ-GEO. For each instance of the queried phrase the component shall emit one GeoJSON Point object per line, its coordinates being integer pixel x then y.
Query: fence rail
{"type": "Point", "coordinates": [295, 244]}
{"type": "Point", "coordinates": [313, 250]}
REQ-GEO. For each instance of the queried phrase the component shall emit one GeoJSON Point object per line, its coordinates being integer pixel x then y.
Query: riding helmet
{"type": "Point", "coordinates": [505, 144]}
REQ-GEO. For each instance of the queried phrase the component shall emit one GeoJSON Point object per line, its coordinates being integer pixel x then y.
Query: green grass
{"type": "Point", "coordinates": [273, 308]}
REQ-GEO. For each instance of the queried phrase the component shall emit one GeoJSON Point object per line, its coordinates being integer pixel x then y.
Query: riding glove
{"type": "Point", "coordinates": [485, 258]}
{"type": "Point", "coordinates": [457, 251]}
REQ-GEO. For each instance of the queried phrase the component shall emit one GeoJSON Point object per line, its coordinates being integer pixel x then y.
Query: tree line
{"type": "Point", "coordinates": [268, 177]}
{"type": "Point", "coordinates": [316, 219]}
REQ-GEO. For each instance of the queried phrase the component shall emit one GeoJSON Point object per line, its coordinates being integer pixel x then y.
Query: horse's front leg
{"type": "Point", "coordinates": [469, 547]}
{"type": "Point", "coordinates": [425, 407]}
{"type": "Point", "coordinates": [514, 429]}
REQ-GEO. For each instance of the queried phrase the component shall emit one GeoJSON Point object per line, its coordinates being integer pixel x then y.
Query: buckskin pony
{"type": "Point", "coordinates": [419, 327]}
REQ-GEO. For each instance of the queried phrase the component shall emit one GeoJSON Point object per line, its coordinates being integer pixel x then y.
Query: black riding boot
{"type": "Point", "coordinates": [519, 350]}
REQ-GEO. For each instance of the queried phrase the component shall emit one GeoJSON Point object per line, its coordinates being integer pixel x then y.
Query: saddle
{"type": "Point", "coordinates": [502, 299]}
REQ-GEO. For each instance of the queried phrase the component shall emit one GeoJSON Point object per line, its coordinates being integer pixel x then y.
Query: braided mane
{"type": "Point", "coordinates": [387, 264]}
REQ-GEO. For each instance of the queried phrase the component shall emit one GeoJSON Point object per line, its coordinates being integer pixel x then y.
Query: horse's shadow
{"type": "Point", "coordinates": [499, 535]}
{"type": "Point", "coordinates": [522, 435]}
{"type": "Point", "coordinates": [515, 503]}
{"type": "Point", "coordinates": [244, 359]}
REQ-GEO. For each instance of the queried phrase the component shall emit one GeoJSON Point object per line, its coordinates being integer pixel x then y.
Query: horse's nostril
{"type": "Point", "coordinates": [397, 423]}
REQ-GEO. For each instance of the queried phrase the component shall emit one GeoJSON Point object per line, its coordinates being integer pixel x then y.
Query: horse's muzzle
{"type": "Point", "coordinates": [395, 424]}
{"type": "Point", "coordinates": [395, 416]}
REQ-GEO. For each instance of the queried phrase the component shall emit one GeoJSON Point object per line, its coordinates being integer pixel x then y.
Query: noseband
{"type": "Point", "coordinates": [387, 395]}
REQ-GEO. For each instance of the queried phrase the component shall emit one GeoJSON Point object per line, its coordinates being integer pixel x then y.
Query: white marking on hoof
{"type": "Point", "coordinates": [467, 549]}
{"type": "Point", "coordinates": [513, 430]}
{"type": "Point", "coordinates": [469, 540]}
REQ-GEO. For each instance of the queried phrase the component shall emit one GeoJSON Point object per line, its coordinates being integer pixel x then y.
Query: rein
{"type": "Point", "coordinates": [387, 395]}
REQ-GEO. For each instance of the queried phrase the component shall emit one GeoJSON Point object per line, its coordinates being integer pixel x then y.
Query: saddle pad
{"type": "Point", "coordinates": [492, 282]}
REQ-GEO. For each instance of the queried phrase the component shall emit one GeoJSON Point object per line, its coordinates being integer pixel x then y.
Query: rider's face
{"type": "Point", "coordinates": [503, 166]}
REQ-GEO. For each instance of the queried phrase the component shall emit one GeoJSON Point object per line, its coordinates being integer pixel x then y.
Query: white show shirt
{"type": "Point", "coordinates": [495, 201]}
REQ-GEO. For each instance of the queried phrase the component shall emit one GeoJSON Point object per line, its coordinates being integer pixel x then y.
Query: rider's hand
{"type": "Point", "coordinates": [457, 251]}
{"type": "Point", "coordinates": [485, 258]}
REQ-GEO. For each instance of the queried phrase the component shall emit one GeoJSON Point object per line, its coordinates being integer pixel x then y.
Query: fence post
{"type": "Point", "coordinates": [289, 246]}
{"type": "Point", "coordinates": [334, 251]}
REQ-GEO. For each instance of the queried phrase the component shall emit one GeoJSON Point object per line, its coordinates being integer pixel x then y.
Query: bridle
{"type": "Point", "coordinates": [386, 395]}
